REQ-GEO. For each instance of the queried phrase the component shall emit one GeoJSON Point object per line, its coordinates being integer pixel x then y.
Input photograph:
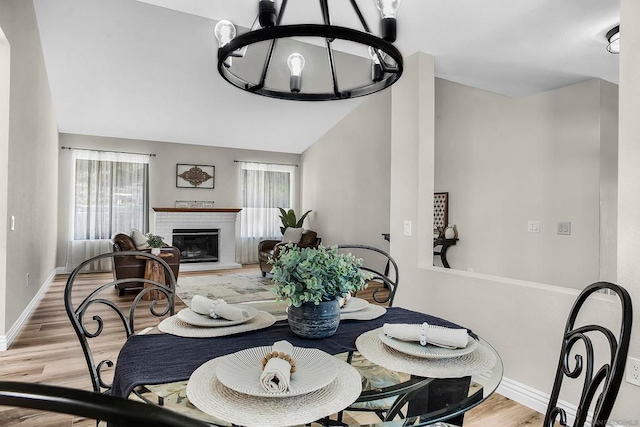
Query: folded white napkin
{"type": "Point", "coordinates": [217, 308]}
{"type": "Point", "coordinates": [277, 372]}
{"type": "Point", "coordinates": [344, 299]}
{"type": "Point", "coordinates": [427, 334]}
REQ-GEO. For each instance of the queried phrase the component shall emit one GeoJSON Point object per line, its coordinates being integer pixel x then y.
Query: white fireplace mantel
{"type": "Point", "coordinates": [224, 219]}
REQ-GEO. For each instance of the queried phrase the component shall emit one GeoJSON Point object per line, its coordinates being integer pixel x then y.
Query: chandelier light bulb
{"type": "Point", "coordinates": [296, 65]}
{"type": "Point", "coordinates": [374, 55]}
{"type": "Point", "coordinates": [224, 31]}
{"type": "Point", "coordinates": [388, 10]}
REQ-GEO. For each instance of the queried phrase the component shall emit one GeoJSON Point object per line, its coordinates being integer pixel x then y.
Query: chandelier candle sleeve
{"type": "Point", "coordinates": [267, 13]}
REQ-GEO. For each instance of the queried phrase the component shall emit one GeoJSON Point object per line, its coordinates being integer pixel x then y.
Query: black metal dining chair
{"type": "Point", "coordinates": [600, 383]}
{"type": "Point", "coordinates": [114, 410]}
{"type": "Point", "coordinates": [91, 307]}
{"type": "Point", "coordinates": [381, 265]}
{"type": "Point", "coordinates": [388, 404]}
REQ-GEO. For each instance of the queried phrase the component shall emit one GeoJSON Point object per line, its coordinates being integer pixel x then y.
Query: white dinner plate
{"type": "Point", "coordinates": [354, 304]}
{"type": "Point", "coordinates": [241, 371]}
{"type": "Point", "coordinates": [428, 351]}
{"type": "Point", "coordinates": [196, 319]}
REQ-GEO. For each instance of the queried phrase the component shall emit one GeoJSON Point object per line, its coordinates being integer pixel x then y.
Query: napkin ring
{"type": "Point", "coordinates": [214, 305]}
{"type": "Point", "coordinates": [280, 355]}
{"type": "Point", "coordinates": [423, 334]}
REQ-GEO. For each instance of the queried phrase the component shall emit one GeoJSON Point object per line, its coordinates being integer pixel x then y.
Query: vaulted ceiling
{"type": "Point", "coordinates": [146, 69]}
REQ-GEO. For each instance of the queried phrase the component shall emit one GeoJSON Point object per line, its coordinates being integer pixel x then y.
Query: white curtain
{"type": "Point", "coordinates": [109, 195]}
{"type": "Point", "coordinates": [264, 188]}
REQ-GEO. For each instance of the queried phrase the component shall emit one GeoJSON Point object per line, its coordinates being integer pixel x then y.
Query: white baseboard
{"type": "Point", "coordinates": [536, 400]}
{"type": "Point", "coordinates": [12, 333]}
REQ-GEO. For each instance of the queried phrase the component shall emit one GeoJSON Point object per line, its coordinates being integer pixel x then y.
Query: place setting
{"type": "Point", "coordinates": [206, 318]}
{"type": "Point", "coordinates": [354, 308]}
{"type": "Point", "coordinates": [426, 350]}
{"type": "Point", "coordinates": [267, 385]}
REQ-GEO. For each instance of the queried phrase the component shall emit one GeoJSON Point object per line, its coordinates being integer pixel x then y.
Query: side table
{"type": "Point", "coordinates": [154, 271]}
{"type": "Point", "coordinates": [445, 243]}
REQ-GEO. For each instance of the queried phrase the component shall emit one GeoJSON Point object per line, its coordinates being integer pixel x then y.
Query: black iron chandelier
{"type": "Point", "coordinates": [263, 69]}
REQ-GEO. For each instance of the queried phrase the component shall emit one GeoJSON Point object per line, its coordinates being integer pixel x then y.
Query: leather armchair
{"type": "Point", "coordinates": [269, 248]}
{"type": "Point", "coordinates": [127, 267]}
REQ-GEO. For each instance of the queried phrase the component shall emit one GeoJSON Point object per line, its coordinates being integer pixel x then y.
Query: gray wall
{"type": "Point", "coordinates": [507, 161]}
{"type": "Point", "coordinates": [32, 165]}
{"type": "Point", "coordinates": [524, 321]}
{"type": "Point", "coordinates": [345, 177]}
{"type": "Point", "coordinates": [162, 174]}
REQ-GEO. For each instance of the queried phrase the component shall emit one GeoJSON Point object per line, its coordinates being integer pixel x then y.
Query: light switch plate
{"type": "Point", "coordinates": [533, 226]}
{"type": "Point", "coordinates": [407, 227]}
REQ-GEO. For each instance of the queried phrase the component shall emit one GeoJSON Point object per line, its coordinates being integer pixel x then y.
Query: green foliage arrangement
{"type": "Point", "coordinates": [288, 219]}
{"type": "Point", "coordinates": [154, 241]}
{"type": "Point", "coordinates": [315, 274]}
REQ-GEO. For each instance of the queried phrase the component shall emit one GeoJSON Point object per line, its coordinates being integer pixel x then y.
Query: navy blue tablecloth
{"type": "Point", "coordinates": [164, 358]}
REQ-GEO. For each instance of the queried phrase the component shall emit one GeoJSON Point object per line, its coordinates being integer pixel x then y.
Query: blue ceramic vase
{"type": "Point", "coordinates": [315, 321]}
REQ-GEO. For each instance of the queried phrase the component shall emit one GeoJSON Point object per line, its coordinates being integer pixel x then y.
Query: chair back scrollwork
{"type": "Point", "coordinates": [601, 380]}
{"type": "Point", "coordinates": [382, 266]}
{"type": "Point", "coordinates": [91, 307]}
{"type": "Point", "coordinates": [90, 405]}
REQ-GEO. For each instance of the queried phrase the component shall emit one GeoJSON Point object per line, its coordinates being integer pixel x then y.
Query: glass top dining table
{"type": "Point", "coordinates": [398, 390]}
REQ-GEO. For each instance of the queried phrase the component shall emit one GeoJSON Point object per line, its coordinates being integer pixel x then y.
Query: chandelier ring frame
{"type": "Point", "coordinates": [329, 33]}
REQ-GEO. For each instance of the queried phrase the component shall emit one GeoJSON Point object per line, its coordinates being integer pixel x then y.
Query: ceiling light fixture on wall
{"type": "Point", "coordinates": [383, 58]}
{"type": "Point", "coordinates": [613, 37]}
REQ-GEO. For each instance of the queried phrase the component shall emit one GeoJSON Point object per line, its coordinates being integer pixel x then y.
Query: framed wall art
{"type": "Point", "coordinates": [440, 210]}
{"type": "Point", "coordinates": [195, 176]}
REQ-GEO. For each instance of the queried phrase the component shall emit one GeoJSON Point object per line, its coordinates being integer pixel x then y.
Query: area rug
{"type": "Point", "coordinates": [233, 287]}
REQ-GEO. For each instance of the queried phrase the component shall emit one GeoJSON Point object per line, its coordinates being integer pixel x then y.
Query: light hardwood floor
{"type": "Point", "coordinates": [47, 351]}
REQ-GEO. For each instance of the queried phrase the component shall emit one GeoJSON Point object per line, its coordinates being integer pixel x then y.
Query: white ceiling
{"type": "Point", "coordinates": [147, 69]}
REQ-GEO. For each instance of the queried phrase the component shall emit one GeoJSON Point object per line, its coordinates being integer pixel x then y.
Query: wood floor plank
{"type": "Point", "coordinates": [47, 351]}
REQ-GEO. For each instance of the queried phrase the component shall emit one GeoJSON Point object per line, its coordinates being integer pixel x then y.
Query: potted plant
{"type": "Point", "coordinates": [155, 242]}
{"type": "Point", "coordinates": [312, 280]}
{"type": "Point", "coordinates": [288, 219]}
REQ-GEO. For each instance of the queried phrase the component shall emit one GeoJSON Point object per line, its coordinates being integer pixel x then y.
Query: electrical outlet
{"type": "Point", "coordinates": [564, 227]}
{"type": "Point", "coordinates": [633, 371]}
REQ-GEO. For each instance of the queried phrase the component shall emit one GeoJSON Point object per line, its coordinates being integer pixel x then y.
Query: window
{"type": "Point", "coordinates": [110, 195]}
{"type": "Point", "coordinates": [265, 188]}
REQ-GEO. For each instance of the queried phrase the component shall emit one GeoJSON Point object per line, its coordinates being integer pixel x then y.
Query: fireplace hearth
{"type": "Point", "coordinates": [197, 245]}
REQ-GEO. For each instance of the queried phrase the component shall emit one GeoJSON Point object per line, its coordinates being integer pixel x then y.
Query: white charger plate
{"type": "Point", "coordinates": [354, 304]}
{"type": "Point", "coordinates": [196, 319]}
{"type": "Point", "coordinates": [241, 371]}
{"type": "Point", "coordinates": [428, 351]}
